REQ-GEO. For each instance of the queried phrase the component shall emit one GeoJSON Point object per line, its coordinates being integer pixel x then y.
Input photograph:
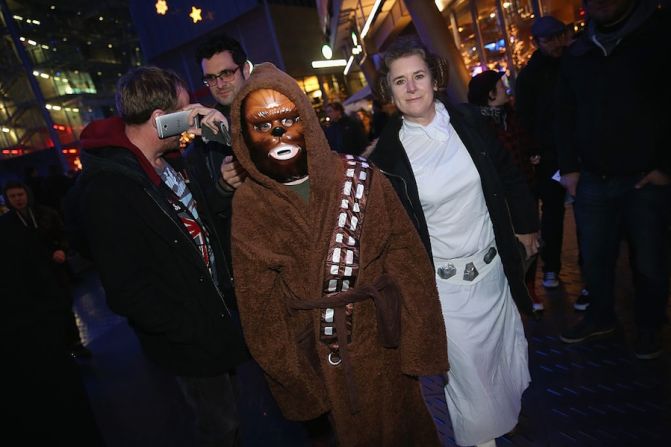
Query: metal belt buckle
{"type": "Point", "coordinates": [489, 256]}
{"type": "Point", "coordinates": [470, 272]}
{"type": "Point", "coordinates": [334, 359]}
{"type": "Point", "coordinates": [447, 271]}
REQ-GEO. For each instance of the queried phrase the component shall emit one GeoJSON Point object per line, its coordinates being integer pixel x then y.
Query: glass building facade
{"type": "Point", "coordinates": [61, 61]}
{"type": "Point", "coordinates": [496, 34]}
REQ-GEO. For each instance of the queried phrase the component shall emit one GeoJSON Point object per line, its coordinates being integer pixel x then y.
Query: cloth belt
{"type": "Point", "coordinates": [387, 300]}
{"type": "Point", "coordinates": [466, 271]}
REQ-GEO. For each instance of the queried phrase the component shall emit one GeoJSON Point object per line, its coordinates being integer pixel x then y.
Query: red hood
{"type": "Point", "coordinates": [110, 132]}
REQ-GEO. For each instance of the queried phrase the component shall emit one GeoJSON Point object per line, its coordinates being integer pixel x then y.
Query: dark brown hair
{"type": "Point", "coordinates": [218, 44]}
{"type": "Point", "coordinates": [408, 46]}
{"type": "Point", "coordinates": [145, 89]}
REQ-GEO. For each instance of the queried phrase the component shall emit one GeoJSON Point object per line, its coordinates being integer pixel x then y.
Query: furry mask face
{"type": "Point", "coordinates": [275, 135]}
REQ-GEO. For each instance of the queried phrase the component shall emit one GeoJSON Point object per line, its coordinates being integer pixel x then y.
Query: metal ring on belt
{"type": "Point", "coordinates": [332, 362]}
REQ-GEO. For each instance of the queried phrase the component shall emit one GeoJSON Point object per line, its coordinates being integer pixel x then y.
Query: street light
{"type": "Point", "coordinates": [326, 51]}
{"type": "Point", "coordinates": [328, 64]}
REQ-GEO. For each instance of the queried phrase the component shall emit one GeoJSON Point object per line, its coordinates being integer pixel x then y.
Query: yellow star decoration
{"type": "Point", "coordinates": [195, 14]}
{"type": "Point", "coordinates": [161, 7]}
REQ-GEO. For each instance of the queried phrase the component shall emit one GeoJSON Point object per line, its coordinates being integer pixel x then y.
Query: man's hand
{"type": "Point", "coordinates": [530, 242]}
{"type": "Point", "coordinates": [208, 117]}
{"type": "Point", "coordinates": [570, 182]}
{"type": "Point", "coordinates": [232, 174]}
{"type": "Point", "coordinates": [655, 177]}
{"type": "Point", "coordinates": [535, 160]}
{"type": "Point", "coordinates": [58, 256]}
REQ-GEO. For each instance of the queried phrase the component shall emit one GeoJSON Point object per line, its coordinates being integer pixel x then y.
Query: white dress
{"type": "Point", "coordinates": [487, 348]}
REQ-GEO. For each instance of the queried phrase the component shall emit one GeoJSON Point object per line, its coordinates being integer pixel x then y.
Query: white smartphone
{"type": "Point", "coordinates": [172, 124]}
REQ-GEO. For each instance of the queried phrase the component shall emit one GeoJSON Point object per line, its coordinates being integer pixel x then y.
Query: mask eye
{"type": "Point", "coordinates": [288, 122]}
{"type": "Point", "coordinates": [263, 127]}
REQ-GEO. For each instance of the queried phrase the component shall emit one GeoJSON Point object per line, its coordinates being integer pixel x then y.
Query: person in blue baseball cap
{"type": "Point", "coordinates": [549, 34]}
{"type": "Point", "coordinates": [534, 102]}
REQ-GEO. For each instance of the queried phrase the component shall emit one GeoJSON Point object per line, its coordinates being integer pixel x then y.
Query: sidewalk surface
{"type": "Point", "coordinates": [594, 393]}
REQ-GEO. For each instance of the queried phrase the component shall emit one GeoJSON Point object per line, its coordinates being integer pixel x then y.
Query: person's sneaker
{"type": "Point", "coordinates": [648, 345]}
{"type": "Point", "coordinates": [584, 330]}
{"type": "Point", "coordinates": [550, 280]}
{"type": "Point", "coordinates": [537, 313]}
{"type": "Point", "coordinates": [583, 301]}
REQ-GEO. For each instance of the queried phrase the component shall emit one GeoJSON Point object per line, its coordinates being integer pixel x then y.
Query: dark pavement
{"type": "Point", "coordinates": [594, 393]}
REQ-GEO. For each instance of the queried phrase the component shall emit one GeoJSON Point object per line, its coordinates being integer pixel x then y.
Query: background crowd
{"type": "Point", "coordinates": [510, 161]}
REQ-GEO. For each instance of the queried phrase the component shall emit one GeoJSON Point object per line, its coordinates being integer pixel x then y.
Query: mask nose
{"type": "Point", "coordinates": [278, 131]}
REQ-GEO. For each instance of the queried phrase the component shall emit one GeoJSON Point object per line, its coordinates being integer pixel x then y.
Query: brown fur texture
{"type": "Point", "coordinates": [280, 244]}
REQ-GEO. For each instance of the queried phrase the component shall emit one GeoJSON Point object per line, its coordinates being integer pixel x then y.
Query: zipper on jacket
{"type": "Point", "coordinates": [227, 271]}
{"type": "Point", "coordinates": [407, 194]}
{"type": "Point", "coordinates": [221, 296]}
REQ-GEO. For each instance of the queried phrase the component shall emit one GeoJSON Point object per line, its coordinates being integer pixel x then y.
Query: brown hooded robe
{"type": "Point", "coordinates": [280, 245]}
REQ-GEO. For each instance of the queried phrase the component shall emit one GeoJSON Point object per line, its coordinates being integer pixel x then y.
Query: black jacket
{"type": "Point", "coordinates": [346, 136]}
{"type": "Point", "coordinates": [33, 296]}
{"type": "Point", "coordinates": [614, 113]}
{"type": "Point", "coordinates": [509, 201]}
{"type": "Point", "coordinates": [42, 386]}
{"type": "Point", "coordinates": [535, 93]}
{"type": "Point", "coordinates": [205, 159]}
{"type": "Point", "coordinates": [150, 268]}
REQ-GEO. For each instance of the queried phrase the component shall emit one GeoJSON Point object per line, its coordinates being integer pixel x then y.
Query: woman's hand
{"type": "Point", "coordinates": [530, 242]}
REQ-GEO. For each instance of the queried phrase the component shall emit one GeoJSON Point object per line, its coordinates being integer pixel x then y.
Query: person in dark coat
{"type": "Point", "coordinates": [380, 120]}
{"type": "Point", "coordinates": [489, 96]}
{"type": "Point", "coordinates": [45, 224]}
{"type": "Point", "coordinates": [472, 209]}
{"type": "Point", "coordinates": [43, 392]}
{"type": "Point", "coordinates": [159, 256]}
{"type": "Point", "coordinates": [614, 157]}
{"type": "Point", "coordinates": [344, 134]}
{"type": "Point", "coordinates": [535, 102]}
{"type": "Point", "coordinates": [225, 67]}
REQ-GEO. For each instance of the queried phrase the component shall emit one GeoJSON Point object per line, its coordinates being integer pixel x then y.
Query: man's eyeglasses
{"type": "Point", "coordinates": [224, 75]}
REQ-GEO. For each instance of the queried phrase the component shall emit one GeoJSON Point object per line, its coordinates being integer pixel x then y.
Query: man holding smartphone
{"type": "Point", "coordinates": [225, 69]}
{"type": "Point", "coordinates": [158, 249]}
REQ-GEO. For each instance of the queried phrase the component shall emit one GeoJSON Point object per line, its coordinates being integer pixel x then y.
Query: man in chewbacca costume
{"type": "Point", "coordinates": [336, 293]}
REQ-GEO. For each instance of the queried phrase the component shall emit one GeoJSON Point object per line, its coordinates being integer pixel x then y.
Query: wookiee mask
{"type": "Point", "coordinates": [274, 135]}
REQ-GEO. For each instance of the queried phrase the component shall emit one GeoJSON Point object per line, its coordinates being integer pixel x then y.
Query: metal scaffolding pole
{"type": "Point", "coordinates": [35, 87]}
